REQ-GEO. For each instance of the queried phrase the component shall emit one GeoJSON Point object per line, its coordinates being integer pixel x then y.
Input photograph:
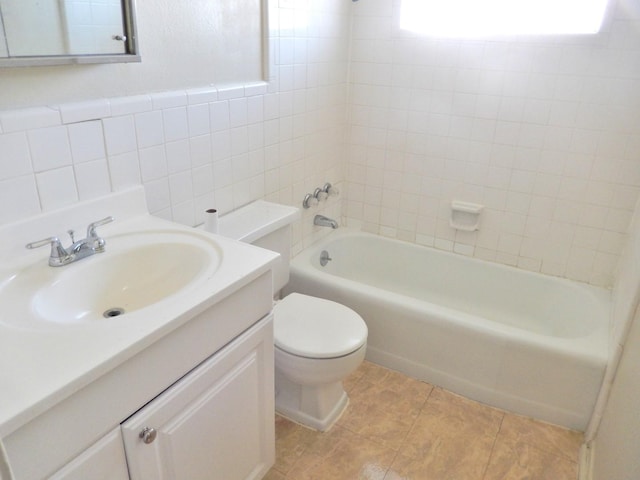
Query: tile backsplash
{"type": "Point", "coordinates": [193, 149]}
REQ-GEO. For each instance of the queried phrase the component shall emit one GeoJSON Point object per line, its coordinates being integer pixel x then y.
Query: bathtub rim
{"type": "Point", "coordinates": [592, 347]}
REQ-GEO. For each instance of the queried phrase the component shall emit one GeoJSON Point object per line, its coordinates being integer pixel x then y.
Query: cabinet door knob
{"type": "Point", "coordinates": [148, 435]}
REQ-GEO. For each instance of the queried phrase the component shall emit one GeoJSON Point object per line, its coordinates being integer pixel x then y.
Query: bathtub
{"type": "Point", "coordinates": [524, 342]}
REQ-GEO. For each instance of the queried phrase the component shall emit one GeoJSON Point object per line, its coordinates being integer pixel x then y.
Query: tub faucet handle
{"type": "Point", "coordinates": [309, 201]}
{"type": "Point", "coordinates": [320, 194]}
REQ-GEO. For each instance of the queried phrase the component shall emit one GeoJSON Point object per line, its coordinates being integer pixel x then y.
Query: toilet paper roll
{"type": "Point", "coordinates": [211, 220]}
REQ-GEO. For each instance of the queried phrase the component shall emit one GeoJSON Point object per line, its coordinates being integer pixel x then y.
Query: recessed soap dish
{"type": "Point", "coordinates": [465, 216]}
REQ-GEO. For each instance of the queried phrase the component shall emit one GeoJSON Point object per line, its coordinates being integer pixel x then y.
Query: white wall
{"type": "Point", "coordinates": [613, 434]}
{"type": "Point", "coordinates": [543, 131]}
{"type": "Point", "coordinates": [616, 448]}
{"type": "Point", "coordinates": [3, 44]}
{"type": "Point", "coordinates": [192, 145]}
{"type": "Point", "coordinates": [183, 44]}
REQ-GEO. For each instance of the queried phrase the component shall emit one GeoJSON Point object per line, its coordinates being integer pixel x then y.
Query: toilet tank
{"type": "Point", "coordinates": [266, 225]}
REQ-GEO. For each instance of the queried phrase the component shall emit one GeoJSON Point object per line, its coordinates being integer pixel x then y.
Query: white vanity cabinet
{"type": "Point", "coordinates": [206, 389]}
{"type": "Point", "coordinates": [213, 424]}
{"type": "Point", "coordinates": [105, 460]}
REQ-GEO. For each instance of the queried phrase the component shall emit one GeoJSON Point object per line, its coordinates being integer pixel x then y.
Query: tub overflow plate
{"type": "Point", "coordinates": [324, 258]}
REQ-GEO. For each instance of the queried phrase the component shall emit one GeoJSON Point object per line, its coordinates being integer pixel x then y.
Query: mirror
{"type": "Point", "coordinates": [54, 32]}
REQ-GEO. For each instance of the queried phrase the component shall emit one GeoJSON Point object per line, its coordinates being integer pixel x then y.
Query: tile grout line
{"type": "Point", "coordinates": [409, 430]}
{"type": "Point", "coordinates": [493, 447]}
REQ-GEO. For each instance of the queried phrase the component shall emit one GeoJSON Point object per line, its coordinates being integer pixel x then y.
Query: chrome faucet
{"type": "Point", "coordinates": [323, 221]}
{"type": "Point", "coordinates": [78, 250]}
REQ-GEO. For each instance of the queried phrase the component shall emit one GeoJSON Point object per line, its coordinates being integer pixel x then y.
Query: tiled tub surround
{"type": "Point", "coordinates": [543, 131]}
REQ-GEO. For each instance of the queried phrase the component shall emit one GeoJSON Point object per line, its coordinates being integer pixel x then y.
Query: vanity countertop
{"type": "Point", "coordinates": [43, 365]}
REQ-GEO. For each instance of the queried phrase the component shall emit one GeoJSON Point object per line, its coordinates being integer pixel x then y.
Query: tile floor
{"type": "Point", "coordinates": [398, 428]}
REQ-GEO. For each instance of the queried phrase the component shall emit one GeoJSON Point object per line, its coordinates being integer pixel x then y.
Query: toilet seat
{"type": "Point", "coordinates": [313, 327]}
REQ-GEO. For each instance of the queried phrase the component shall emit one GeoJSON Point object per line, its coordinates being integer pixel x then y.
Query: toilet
{"type": "Point", "coordinates": [317, 342]}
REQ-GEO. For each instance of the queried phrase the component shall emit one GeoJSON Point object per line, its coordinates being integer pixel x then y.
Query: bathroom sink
{"type": "Point", "coordinates": [137, 270]}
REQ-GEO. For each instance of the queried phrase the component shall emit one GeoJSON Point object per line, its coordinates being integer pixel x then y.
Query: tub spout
{"type": "Point", "coordinates": [323, 221]}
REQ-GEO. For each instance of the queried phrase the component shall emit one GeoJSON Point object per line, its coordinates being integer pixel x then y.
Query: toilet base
{"type": "Point", "coordinates": [317, 407]}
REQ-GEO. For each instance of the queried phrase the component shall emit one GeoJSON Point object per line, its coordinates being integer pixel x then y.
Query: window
{"type": "Point", "coordinates": [470, 18]}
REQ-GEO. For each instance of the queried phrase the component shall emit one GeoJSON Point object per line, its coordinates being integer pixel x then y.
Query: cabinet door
{"type": "Point", "coordinates": [104, 460]}
{"type": "Point", "coordinates": [215, 423]}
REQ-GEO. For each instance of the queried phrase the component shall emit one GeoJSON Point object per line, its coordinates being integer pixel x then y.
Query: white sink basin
{"type": "Point", "coordinates": [137, 270]}
{"type": "Point", "coordinates": [168, 279]}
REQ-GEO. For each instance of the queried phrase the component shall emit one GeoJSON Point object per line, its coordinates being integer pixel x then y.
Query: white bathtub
{"type": "Point", "coordinates": [528, 343]}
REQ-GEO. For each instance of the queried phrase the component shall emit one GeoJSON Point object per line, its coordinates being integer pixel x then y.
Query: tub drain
{"type": "Point", "coordinates": [113, 312]}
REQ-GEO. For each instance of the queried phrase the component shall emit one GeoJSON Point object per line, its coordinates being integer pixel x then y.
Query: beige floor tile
{"type": "Point", "coordinates": [440, 465]}
{"type": "Point", "coordinates": [397, 394]}
{"type": "Point", "coordinates": [383, 405]}
{"type": "Point", "coordinates": [446, 416]}
{"type": "Point", "coordinates": [445, 455]}
{"type": "Point", "coordinates": [451, 438]}
{"type": "Point", "coordinates": [342, 455]}
{"type": "Point", "coordinates": [542, 436]}
{"type": "Point", "coordinates": [397, 428]}
{"type": "Point", "coordinates": [292, 441]}
{"type": "Point", "coordinates": [372, 371]}
{"type": "Point", "coordinates": [520, 461]}
{"type": "Point", "coordinates": [377, 425]}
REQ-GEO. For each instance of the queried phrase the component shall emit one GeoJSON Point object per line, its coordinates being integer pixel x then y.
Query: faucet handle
{"type": "Point", "coordinates": [91, 228]}
{"type": "Point", "coordinates": [58, 253]}
{"type": "Point", "coordinates": [41, 243]}
{"type": "Point", "coordinates": [330, 190]}
{"type": "Point", "coordinates": [320, 194]}
{"type": "Point", "coordinates": [309, 201]}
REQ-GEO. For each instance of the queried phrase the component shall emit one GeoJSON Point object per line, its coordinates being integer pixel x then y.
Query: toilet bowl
{"type": "Point", "coordinates": [318, 343]}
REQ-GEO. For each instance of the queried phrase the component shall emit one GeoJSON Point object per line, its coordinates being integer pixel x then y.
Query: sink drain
{"type": "Point", "coordinates": [113, 312]}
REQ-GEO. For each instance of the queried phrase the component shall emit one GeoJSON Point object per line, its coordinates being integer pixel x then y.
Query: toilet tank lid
{"type": "Point", "coordinates": [256, 220]}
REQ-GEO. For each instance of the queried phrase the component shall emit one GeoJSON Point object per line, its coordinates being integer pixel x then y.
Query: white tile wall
{"type": "Point", "coordinates": [49, 147]}
{"type": "Point", "coordinates": [16, 148]}
{"type": "Point", "coordinates": [199, 148]}
{"type": "Point", "coordinates": [537, 129]}
{"type": "Point", "coordinates": [87, 141]}
{"type": "Point", "coordinates": [19, 198]}
{"type": "Point", "coordinates": [545, 132]}
{"type": "Point", "coordinates": [92, 179]}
